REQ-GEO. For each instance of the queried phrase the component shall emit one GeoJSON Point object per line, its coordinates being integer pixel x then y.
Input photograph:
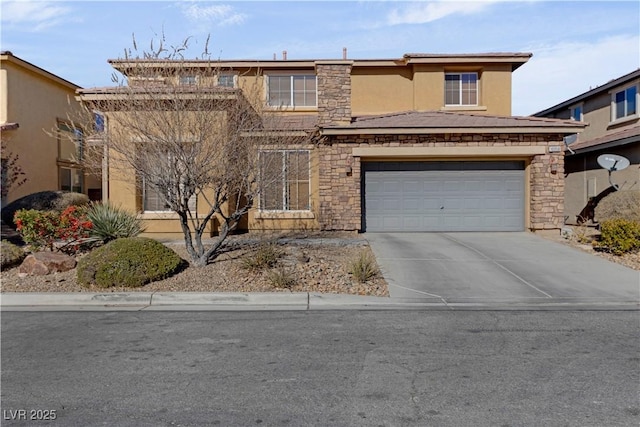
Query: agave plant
{"type": "Point", "coordinates": [111, 222]}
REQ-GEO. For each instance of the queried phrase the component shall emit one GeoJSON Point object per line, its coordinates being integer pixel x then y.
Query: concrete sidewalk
{"type": "Point", "coordinates": [300, 301]}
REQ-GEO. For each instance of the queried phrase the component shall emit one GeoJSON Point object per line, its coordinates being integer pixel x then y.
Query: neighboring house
{"type": "Point", "coordinates": [35, 108]}
{"type": "Point", "coordinates": [425, 142]}
{"type": "Point", "coordinates": [611, 113]}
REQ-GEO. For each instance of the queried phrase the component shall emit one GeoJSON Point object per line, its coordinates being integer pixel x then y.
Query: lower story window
{"type": "Point", "coordinates": [152, 199]}
{"type": "Point", "coordinates": [285, 180]}
{"type": "Point", "coordinates": [71, 179]}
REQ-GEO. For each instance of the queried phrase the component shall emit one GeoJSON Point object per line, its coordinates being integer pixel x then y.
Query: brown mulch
{"type": "Point", "coordinates": [315, 264]}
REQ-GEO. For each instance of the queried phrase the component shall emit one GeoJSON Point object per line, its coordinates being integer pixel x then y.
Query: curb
{"type": "Point", "coordinates": [191, 301]}
{"type": "Point", "coordinates": [297, 301]}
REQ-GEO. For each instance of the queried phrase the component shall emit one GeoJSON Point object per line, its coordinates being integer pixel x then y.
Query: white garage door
{"type": "Point", "coordinates": [443, 196]}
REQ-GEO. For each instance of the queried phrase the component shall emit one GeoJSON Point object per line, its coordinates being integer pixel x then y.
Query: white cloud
{"type": "Point", "coordinates": [218, 14]}
{"type": "Point", "coordinates": [424, 12]}
{"type": "Point", "coordinates": [558, 73]}
{"type": "Point", "coordinates": [33, 15]}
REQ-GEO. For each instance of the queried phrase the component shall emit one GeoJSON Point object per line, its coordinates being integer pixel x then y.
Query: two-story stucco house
{"type": "Point", "coordinates": [611, 113]}
{"type": "Point", "coordinates": [424, 142]}
{"type": "Point", "coordinates": [35, 109]}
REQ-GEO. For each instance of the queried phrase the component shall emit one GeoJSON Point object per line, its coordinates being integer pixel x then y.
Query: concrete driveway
{"type": "Point", "coordinates": [498, 268]}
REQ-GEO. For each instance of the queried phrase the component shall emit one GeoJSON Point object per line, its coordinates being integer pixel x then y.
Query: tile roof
{"type": "Point", "coordinates": [447, 119]}
{"type": "Point", "coordinates": [153, 88]}
{"type": "Point", "coordinates": [626, 135]}
{"type": "Point", "coordinates": [469, 55]}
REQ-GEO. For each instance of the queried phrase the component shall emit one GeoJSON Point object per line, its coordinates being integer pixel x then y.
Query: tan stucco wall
{"type": "Point", "coordinates": [378, 90]}
{"type": "Point", "coordinates": [35, 101]}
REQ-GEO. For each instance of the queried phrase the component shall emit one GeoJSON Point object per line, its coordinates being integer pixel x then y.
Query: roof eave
{"type": "Point", "coordinates": [606, 145]}
{"type": "Point", "coordinates": [449, 130]}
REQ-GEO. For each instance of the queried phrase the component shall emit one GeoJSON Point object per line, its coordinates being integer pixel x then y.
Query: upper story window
{"type": "Point", "coordinates": [226, 80]}
{"type": "Point", "coordinates": [297, 90]}
{"type": "Point", "coordinates": [188, 80]}
{"type": "Point", "coordinates": [624, 103]}
{"type": "Point", "coordinates": [461, 88]}
{"type": "Point", "coordinates": [576, 113]}
{"type": "Point", "coordinates": [70, 142]}
{"type": "Point", "coordinates": [98, 122]}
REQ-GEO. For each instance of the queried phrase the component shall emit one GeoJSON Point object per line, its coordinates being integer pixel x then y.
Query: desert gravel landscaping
{"type": "Point", "coordinates": [316, 264]}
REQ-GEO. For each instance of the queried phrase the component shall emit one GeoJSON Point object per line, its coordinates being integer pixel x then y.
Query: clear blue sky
{"type": "Point", "coordinates": [576, 45]}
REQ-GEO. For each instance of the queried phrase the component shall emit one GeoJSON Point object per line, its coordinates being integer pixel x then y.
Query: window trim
{"type": "Point", "coordinates": [460, 94]}
{"type": "Point", "coordinates": [623, 89]}
{"type": "Point", "coordinates": [265, 213]}
{"type": "Point", "coordinates": [291, 75]}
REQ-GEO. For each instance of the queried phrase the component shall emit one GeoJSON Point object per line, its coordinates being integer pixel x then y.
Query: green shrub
{"type": "Point", "coordinates": [623, 204]}
{"type": "Point", "coordinates": [111, 222]}
{"type": "Point", "coordinates": [43, 201]}
{"type": "Point", "coordinates": [266, 256]}
{"type": "Point", "coordinates": [619, 236]}
{"type": "Point", "coordinates": [281, 278]}
{"type": "Point", "coordinates": [129, 262]}
{"type": "Point", "coordinates": [10, 254]}
{"type": "Point", "coordinates": [363, 267]}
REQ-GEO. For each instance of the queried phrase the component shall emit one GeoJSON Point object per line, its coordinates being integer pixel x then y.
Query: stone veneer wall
{"type": "Point", "coordinates": [334, 92]}
{"type": "Point", "coordinates": [340, 174]}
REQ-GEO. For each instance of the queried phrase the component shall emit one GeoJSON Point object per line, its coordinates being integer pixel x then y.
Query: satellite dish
{"type": "Point", "coordinates": [612, 163]}
{"type": "Point", "coordinates": [570, 139]}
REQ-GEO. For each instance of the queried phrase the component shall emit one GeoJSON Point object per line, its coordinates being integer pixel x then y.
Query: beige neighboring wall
{"type": "Point", "coordinates": [34, 99]}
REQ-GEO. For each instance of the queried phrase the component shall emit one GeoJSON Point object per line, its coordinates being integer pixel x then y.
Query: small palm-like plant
{"type": "Point", "coordinates": [111, 222]}
{"type": "Point", "coordinates": [266, 256]}
{"type": "Point", "coordinates": [282, 278]}
{"type": "Point", "coordinates": [363, 267]}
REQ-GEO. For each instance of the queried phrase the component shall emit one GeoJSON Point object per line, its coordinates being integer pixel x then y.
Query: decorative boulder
{"type": "Point", "coordinates": [43, 263]}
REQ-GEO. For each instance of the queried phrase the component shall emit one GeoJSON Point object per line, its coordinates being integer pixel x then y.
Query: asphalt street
{"type": "Point", "coordinates": [321, 368]}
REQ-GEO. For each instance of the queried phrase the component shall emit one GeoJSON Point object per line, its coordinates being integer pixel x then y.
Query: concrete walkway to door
{"type": "Point", "coordinates": [498, 268]}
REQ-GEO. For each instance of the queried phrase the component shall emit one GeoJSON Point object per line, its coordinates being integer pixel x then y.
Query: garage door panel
{"type": "Point", "coordinates": [410, 204]}
{"type": "Point", "coordinates": [431, 203]}
{"type": "Point", "coordinates": [443, 196]}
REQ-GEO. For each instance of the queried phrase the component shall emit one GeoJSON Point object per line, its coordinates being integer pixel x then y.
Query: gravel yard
{"type": "Point", "coordinates": [580, 237]}
{"type": "Point", "coordinates": [316, 264]}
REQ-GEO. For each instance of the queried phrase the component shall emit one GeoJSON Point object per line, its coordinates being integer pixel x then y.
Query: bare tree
{"type": "Point", "coordinates": [193, 142]}
{"type": "Point", "coordinates": [13, 175]}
